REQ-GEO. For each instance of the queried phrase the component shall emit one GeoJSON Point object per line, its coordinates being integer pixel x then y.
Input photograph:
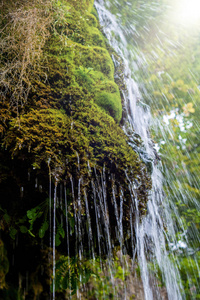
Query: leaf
{"type": "Point", "coordinates": [6, 218]}
{"type": "Point", "coordinates": [31, 214]}
{"type": "Point", "coordinates": [43, 229]}
{"type": "Point", "coordinates": [74, 284]}
{"type": "Point", "coordinates": [61, 231]}
{"type": "Point", "coordinates": [57, 239]}
{"type": "Point", "coordinates": [65, 281]}
{"type": "Point", "coordinates": [23, 229]}
{"type": "Point", "coordinates": [59, 263]}
{"type": "Point", "coordinates": [86, 276]}
{"type": "Point", "coordinates": [57, 284]}
{"type": "Point", "coordinates": [22, 220]}
{"type": "Point", "coordinates": [13, 232]}
{"type": "Point", "coordinates": [72, 224]}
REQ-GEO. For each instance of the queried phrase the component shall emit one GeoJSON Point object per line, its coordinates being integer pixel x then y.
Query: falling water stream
{"type": "Point", "coordinates": [151, 237]}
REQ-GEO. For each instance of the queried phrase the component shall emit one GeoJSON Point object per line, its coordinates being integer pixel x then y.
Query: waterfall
{"type": "Point", "coordinates": [155, 231]}
{"type": "Point", "coordinates": [91, 207]}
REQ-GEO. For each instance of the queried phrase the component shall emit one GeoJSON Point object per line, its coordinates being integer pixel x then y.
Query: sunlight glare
{"type": "Point", "coordinates": [189, 11]}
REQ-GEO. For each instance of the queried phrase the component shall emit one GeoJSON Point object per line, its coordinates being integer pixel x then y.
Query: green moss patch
{"type": "Point", "coordinates": [108, 97]}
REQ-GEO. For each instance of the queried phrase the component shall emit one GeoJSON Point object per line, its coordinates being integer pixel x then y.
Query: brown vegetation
{"type": "Point", "coordinates": [24, 31]}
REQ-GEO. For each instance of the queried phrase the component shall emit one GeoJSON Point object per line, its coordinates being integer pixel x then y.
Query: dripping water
{"type": "Point", "coordinates": [50, 228]}
{"type": "Point", "coordinates": [54, 238]}
{"type": "Point", "coordinates": [90, 238]}
{"type": "Point", "coordinates": [67, 225]}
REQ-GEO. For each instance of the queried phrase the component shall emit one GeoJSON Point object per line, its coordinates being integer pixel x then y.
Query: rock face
{"type": "Point", "coordinates": [61, 140]}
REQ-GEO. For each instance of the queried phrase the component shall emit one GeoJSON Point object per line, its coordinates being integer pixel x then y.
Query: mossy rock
{"type": "Point", "coordinates": [50, 136]}
{"type": "Point", "coordinates": [68, 132]}
{"type": "Point", "coordinates": [79, 75]}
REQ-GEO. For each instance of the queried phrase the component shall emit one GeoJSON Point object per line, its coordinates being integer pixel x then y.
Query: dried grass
{"type": "Point", "coordinates": [24, 30]}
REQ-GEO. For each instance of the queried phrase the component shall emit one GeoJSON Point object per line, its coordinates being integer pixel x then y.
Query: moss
{"type": "Point", "coordinates": [83, 78]}
{"type": "Point", "coordinates": [85, 61]}
{"type": "Point", "coordinates": [69, 129]}
{"type": "Point", "coordinates": [79, 75]}
{"type": "Point", "coordinates": [79, 29]}
{"type": "Point", "coordinates": [95, 57]}
{"type": "Point", "coordinates": [49, 135]}
{"type": "Point", "coordinates": [95, 73]}
{"type": "Point", "coordinates": [107, 96]}
{"type": "Point", "coordinates": [91, 20]}
{"type": "Point", "coordinates": [82, 6]}
{"type": "Point", "coordinates": [96, 37]}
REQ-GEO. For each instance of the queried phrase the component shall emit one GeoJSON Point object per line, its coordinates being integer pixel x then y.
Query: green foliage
{"type": "Point", "coordinates": [108, 278]}
{"type": "Point", "coordinates": [102, 278]}
{"type": "Point", "coordinates": [43, 223]}
{"type": "Point", "coordinates": [12, 224]}
{"type": "Point", "coordinates": [43, 229]}
{"type": "Point", "coordinates": [190, 276]}
{"type": "Point", "coordinates": [35, 214]}
{"type": "Point", "coordinates": [71, 273]}
{"type": "Point", "coordinates": [60, 233]}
